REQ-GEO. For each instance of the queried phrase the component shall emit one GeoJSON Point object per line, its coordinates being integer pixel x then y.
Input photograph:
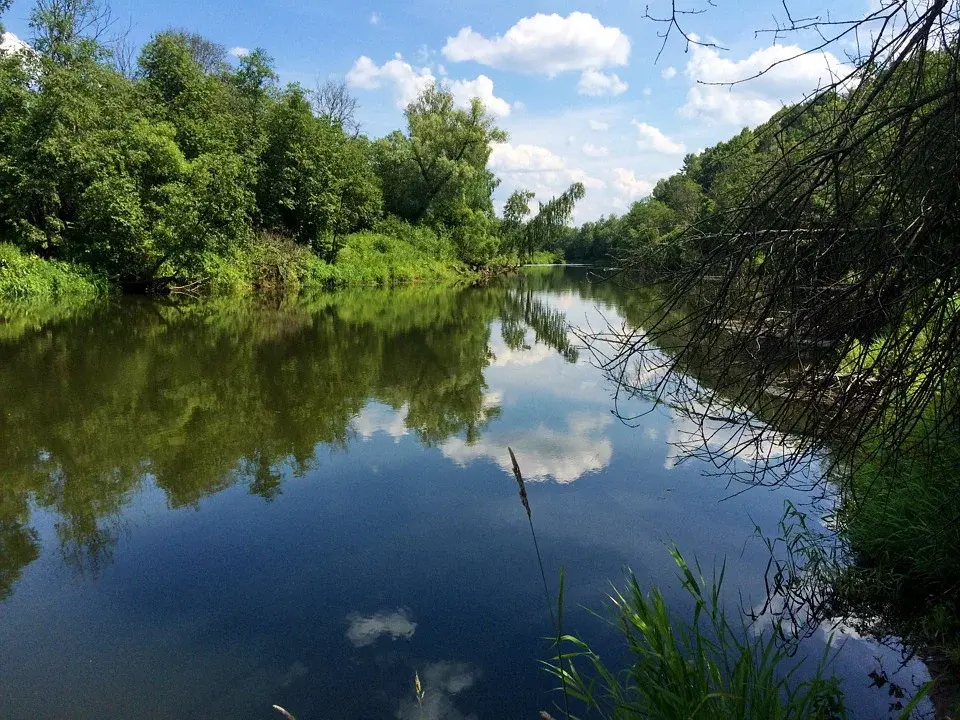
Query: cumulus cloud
{"type": "Point", "coordinates": [595, 83]}
{"type": "Point", "coordinates": [544, 44]}
{"type": "Point", "coordinates": [522, 357]}
{"type": "Point", "coordinates": [544, 453]}
{"type": "Point", "coordinates": [239, 52]}
{"type": "Point", "coordinates": [629, 185]}
{"type": "Point", "coordinates": [669, 72]}
{"type": "Point", "coordinates": [538, 169]}
{"type": "Point", "coordinates": [728, 434]}
{"type": "Point", "coordinates": [524, 158]}
{"type": "Point", "coordinates": [652, 139]}
{"type": "Point", "coordinates": [647, 92]}
{"type": "Point", "coordinates": [591, 150]}
{"type": "Point", "coordinates": [365, 630]}
{"type": "Point", "coordinates": [754, 101]}
{"type": "Point", "coordinates": [598, 126]}
{"type": "Point", "coordinates": [375, 18]}
{"type": "Point", "coordinates": [408, 82]}
{"type": "Point", "coordinates": [10, 44]}
{"type": "Point", "coordinates": [465, 90]}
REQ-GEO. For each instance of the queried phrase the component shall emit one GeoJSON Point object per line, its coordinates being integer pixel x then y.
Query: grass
{"type": "Point", "coordinates": [28, 277]}
{"type": "Point", "coordinates": [380, 260]}
{"type": "Point", "coordinates": [545, 257]}
{"type": "Point", "coordinates": [275, 264]}
{"type": "Point", "coordinates": [706, 667]}
{"type": "Point", "coordinates": [395, 253]}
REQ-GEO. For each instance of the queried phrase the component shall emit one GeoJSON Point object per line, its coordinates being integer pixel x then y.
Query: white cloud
{"type": "Point", "coordinates": [598, 126]}
{"type": "Point", "coordinates": [647, 92]}
{"type": "Point", "coordinates": [465, 90]}
{"type": "Point", "coordinates": [591, 150]}
{"type": "Point", "coordinates": [10, 44]}
{"type": "Point", "coordinates": [669, 72]}
{"type": "Point", "coordinates": [629, 185]}
{"type": "Point", "coordinates": [544, 44]}
{"type": "Point", "coordinates": [375, 18]}
{"type": "Point", "coordinates": [595, 83]}
{"type": "Point", "coordinates": [728, 433]}
{"type": "Point", "coordinates": [524, 158]}
{"type": "Point", "coordinates": [652, 139]}
{"type": "Point", "coordinates": [538, 169]}
{"type": "Point", "coordinates": [755, 100]}
{"type": "Point", "coordinates": [407, 82]}
{"type": "Point", "coordinates": [239, 52]}
{"type": "Point", "coordinates": [522, 358]}
{"type": "Point", "coordinates": [543, 453]}
{"type": "Point", "coordinates": [367, 629]}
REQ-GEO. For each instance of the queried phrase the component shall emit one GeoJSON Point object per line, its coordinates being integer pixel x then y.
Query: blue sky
{"type": "Point", "coordinates": [576, 84]}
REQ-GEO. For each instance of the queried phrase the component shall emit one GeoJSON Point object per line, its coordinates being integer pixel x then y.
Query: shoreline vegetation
{"type": "Point", "coordinates": [186, 171]}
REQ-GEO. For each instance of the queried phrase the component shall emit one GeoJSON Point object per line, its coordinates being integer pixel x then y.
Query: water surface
{"type": "Point", "coordinates": [208, 509]}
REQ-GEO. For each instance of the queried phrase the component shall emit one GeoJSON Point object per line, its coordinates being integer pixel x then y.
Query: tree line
{"type": "Point", "coordinates": [181, 165]}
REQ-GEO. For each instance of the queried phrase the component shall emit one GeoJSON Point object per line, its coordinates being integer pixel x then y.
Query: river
{"type": "Point", "coordinates": [210, 508]}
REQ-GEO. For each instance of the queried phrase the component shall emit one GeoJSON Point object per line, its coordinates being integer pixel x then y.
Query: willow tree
{"type": "Point", "coordinates": [544, 227]}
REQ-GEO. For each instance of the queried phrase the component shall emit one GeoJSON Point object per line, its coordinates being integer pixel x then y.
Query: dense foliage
{"type": "Point", "coordinates": [187, 170]}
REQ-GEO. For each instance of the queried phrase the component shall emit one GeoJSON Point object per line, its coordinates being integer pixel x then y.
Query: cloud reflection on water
{"type": "Point", "coordinates": [441, 681]}
{"type": "Point", "coordinates": [543, 452]}
{"type": "Point", "coordinates": [365, 630]}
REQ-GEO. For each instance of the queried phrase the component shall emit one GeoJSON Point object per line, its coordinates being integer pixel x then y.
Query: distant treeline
{"type": "Point", "coordinates": [725, 187]}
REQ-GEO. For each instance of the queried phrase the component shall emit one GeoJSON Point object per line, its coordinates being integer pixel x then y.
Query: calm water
{"type": "Point", "coordinates": [205, 510]}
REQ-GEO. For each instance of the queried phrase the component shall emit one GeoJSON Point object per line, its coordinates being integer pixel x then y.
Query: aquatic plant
{"type": "Point", "coordinates": [708, 666]}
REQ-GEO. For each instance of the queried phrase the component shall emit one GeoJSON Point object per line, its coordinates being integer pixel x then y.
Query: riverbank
{"type": "Point", "coordinates": [267, 265]}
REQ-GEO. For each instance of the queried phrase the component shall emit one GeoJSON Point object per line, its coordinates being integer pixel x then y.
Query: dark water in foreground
{"type": "Point", "coordinates": [206, 510]}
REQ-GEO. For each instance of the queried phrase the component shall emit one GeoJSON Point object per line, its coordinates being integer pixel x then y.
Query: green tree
{"type": "Point", "coordinates": [682, 195]}
{"type": "Point", "coordinates": [437, 173]}
{"type": "Point", "coordinates": [552, 216]}
{"type": "Point", "coordinates": [515, 212]}
{"type": "Point", "coordinates": [315, 183]}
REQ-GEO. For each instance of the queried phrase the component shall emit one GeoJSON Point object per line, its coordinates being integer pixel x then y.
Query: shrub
{"type": "Point", "coordinates": [30, 277]}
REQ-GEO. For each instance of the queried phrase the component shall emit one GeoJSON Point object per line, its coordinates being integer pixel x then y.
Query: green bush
{"type": "Point", "coordinates": [420, 237]}
{"type": "Point", "coordinates": [375, 259]}
{"type": "Point", "coordinates": [28, 277]}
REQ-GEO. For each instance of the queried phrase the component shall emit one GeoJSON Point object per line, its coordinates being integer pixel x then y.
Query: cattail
{"type": "Point", "coordinates": [283, 712]}
{"type": "Point", "coordinates": [417, 686]}
{"type": "Point", "coordinates": [519, 477]}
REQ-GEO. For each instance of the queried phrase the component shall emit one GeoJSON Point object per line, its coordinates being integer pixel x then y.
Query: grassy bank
{"type": "Point", "coordinates": [28, 277]}
{"type": "Point", "coordinates": [267, 264]}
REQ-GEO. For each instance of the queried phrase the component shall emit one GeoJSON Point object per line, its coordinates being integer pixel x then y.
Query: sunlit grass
{"type": "Point", "coordinates": [707, 666]}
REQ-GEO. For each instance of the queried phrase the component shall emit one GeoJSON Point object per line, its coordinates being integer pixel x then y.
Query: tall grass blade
{"type": "Point", "coordinates": [283, 712]}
